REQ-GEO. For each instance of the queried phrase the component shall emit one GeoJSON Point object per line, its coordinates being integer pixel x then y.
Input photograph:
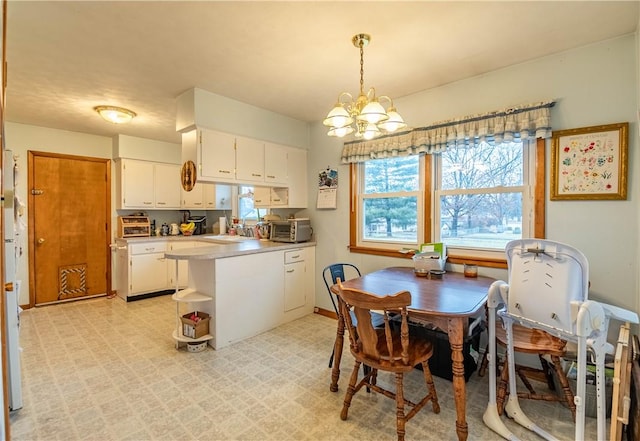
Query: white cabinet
{"type": "Point", "coordinates": [183, 267]}
{"type": "Point", "coordinates": [216, 155]}
{"type": "Point", "coordinates": [275, 163]}
{"type": "Point", "coordinates": [147, 268]}
{"type": "Point", "coordinates": [294, 279]}
{"type": "Point", "coordinates": [147, 185]}
{"type": "Point", "coordinates": [217, 197]}
{"type": "Point", "coordinates": [207, 196]}
{"type": "Point", "coordinates": [167, 186]}
{"type": "Point", "coordinates": [270, 197]}
{"type": "Point", "coordinates": [135, 184]}
{"type": "Point", "coordinates": [249, 160]}
{"type": "Point", "coordinates": [194, 199]}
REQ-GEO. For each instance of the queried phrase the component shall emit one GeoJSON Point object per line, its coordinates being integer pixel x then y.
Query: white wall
{"type": "Point", "coordinates": [20, 139]}
{"type": "Point", "coordinates": [592, 85]}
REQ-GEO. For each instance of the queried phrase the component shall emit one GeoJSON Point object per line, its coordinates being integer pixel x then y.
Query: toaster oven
{"type": "Point", "coordinates": [291, 230]}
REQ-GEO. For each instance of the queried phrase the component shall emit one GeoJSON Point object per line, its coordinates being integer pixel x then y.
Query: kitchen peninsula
{"type": "Point", "coordinates": [253, 285]}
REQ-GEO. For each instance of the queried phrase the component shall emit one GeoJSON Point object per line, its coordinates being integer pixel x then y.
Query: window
{"type": "Point", "coordinates": [390, 203]}
{"type": "Point", "coordinates": [481, 198]}
{"type": "Point", "coordinates": [246, 210]}
{"type": "Point", "coordinates": [474, 199]}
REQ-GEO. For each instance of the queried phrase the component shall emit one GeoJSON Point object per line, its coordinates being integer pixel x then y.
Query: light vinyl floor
{"type": "Point", "coordinates": [104, 369]}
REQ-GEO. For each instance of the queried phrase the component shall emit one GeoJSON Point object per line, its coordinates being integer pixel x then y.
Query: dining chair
{"type": "Point", "coordinates": [389, 349]}
{"type": "Point", "coordinates": [548, 291]}
{"type": "Point", "coordinates": [331, 274]}
{"type": "Point", "coordinates": [549, 350]}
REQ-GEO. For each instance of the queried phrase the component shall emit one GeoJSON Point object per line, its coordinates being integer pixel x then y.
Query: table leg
{"type": "Point", "coordinates": [456, 340]}
{"type": "Point", "coordinates": [337, 355]}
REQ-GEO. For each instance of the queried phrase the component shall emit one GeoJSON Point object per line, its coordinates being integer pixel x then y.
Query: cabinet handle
{"type": "Point", "coordinates": [198, 203]}
{"type": "Point", "coordinates": [224, 171]}
{"type": "Point", "coordinates": [271, 177]}
{"type": "Point", "coordinates": [147, 203]}
{"type": "Point", "coordinates": [256, 175]}
{"type": "Point", "coordinates": [290, 271]}
{"type": "Point", "coordinates": [161, 203]}
{"type": "Point", "coordinates": [297, 256]}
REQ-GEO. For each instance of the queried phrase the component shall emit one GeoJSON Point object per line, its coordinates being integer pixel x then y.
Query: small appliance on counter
{"type": "Point", "coordinates": [200, 222]}
{"type": "Point", "coordinates": [291, 230]}
{"type": "Point", "coordinates": [133, 226]}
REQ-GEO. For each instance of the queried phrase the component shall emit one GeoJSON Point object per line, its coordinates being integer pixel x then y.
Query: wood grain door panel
{"type": "Point", "coordinates": [69, 214]}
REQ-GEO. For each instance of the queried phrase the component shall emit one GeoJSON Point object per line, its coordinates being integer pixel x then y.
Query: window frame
{"type": "Point", "coordinates": [459, 256]}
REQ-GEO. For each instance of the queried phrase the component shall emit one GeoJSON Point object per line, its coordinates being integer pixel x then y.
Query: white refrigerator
{"type": "Point", "coordinates": [12, 249]}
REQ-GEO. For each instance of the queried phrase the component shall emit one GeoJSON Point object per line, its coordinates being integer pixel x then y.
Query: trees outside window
{"type": "Point", "coordinates": [481, 198]}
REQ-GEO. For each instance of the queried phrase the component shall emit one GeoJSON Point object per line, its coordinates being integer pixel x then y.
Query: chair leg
{"type": "Point", "coordinates": [400, 417]}
{"type": "Point", "coordinates": [566, 390]}
{"type": "Point", "coordinates": [350, 391]}
{"type": "Point", "coordinates": [484, 363]}
{"type": "Point", "coordinates": [503, 385]}
{"type": "Point", "coordinates": [428, 378]}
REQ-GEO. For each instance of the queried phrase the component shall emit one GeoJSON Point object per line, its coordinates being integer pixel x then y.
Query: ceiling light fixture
{"type": "Point", "coordinates": [365, 116]}
{"type": "Point", "coordinates": [116, 115]}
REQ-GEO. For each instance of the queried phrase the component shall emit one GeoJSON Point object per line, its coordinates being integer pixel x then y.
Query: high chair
{"type": "Point", "coordinates": [548, 290]}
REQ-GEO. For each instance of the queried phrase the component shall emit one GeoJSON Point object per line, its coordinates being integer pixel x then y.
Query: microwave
{"type": "Point", "coordinates": [291, 230]}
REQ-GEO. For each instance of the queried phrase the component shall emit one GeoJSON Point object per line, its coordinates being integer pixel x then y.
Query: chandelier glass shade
{"type": "Point", "coordinates": [365, 116]}
{"type": "Point", "coordinates": [116, 115]}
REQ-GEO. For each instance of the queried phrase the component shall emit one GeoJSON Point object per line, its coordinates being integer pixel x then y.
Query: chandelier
{"type": "Point", "coordinates": [365, 116]}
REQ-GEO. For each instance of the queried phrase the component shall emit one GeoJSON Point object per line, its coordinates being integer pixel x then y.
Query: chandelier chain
{"type": "Point", "coordinates": [361, 44]}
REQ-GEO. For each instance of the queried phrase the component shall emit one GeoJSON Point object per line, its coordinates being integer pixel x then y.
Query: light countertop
{"type": "Point", "coordinates": [219, 246]}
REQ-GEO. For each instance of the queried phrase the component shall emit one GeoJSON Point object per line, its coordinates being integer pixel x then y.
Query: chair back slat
{"type": "Point", "coordinates": [364, 337]}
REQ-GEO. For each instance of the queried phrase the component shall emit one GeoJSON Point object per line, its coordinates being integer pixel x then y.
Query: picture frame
{"type": "Point", "coordinates": [590, 163]}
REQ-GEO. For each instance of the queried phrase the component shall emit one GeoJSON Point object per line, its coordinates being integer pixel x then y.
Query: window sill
{"type": "Point", "coordinates": [451, 258]}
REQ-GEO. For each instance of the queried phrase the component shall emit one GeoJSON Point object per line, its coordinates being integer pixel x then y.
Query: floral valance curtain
{"type": "Point", "coordinates": [523, 122]}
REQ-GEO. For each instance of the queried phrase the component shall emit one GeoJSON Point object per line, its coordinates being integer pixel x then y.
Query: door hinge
{"type": "Point", "coordinates": [36, 192]}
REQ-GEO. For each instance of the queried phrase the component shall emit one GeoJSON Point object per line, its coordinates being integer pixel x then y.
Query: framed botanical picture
{"type": "Point", "coordinates": [590, 163]}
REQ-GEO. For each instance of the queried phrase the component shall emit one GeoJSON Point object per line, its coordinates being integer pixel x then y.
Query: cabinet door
{"type": "Point", "coordinates": [294, 286]}
{"type": "Point", "coordinates": [297, 169]}
{"type": "Point", "coordinates": [148, 273]}
{"type": "Point", "coordinates": [261, 197]}
{"type": "Point", "coordinates": [279, 197]}
{"type": "Point", "coordinates": [136, 181]}
{"type": "Point", "coordinates": [275, 163]}
{"type": "Point", "coordinates": [217, 155]}
{"type": "Point", "coordinates": [195, 197]}
{"type": "Point", "coordinates": [183, 265]}
{"type": "Point", "coordinates": [217, 197]}
{"type": "Point", "coordinates": [249, 160]}
{"type": "Point", "coordinates": [167, 186]}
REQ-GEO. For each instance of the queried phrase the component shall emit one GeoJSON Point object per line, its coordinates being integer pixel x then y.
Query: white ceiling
{"type": "Point", "coordinates": [293, 58]}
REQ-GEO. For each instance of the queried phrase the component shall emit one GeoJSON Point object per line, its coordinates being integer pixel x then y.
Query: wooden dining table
{"type": "Point", "coordinates": [446, 303]}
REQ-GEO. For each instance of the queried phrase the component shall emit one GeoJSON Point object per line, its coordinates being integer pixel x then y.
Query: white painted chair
{"type": "Point", "coordinates": [548, 290]}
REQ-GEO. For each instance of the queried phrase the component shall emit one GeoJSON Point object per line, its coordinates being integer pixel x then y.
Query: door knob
{"type": "Point", "coordinates": [41, 240]}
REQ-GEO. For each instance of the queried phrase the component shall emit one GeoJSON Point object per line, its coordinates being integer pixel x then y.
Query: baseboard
{"type": "Point", "coordinates": [326, 312]}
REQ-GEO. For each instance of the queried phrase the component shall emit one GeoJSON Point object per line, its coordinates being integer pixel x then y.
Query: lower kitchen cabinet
{"type": "Point", "coordinates": [147, 268]}
{"type": "Point", "coordinates": [253, 293]}
{"type": "Point", "coordinates": [294, 279]}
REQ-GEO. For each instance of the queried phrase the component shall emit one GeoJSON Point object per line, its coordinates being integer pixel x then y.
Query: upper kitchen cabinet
{"type": "Point", "coordinates": [207, 196]}
{"type": "Point", "coordinates": [275, 163]}
{"type": "Point", "coordinates": [215, 155]}
{"type": "Point", "coordinates": [147, 185]}
{"type": "Point", "coordinates": [167, 185]}
{"type": "Point", "coordinates": [249, 160]}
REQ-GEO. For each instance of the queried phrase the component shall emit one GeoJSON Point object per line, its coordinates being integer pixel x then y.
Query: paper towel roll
{"type": "Point", "coordinates": [223, 224]}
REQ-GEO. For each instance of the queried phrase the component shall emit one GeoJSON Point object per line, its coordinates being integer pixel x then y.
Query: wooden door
{"type": "Point", "coordinates": [69, 227]}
